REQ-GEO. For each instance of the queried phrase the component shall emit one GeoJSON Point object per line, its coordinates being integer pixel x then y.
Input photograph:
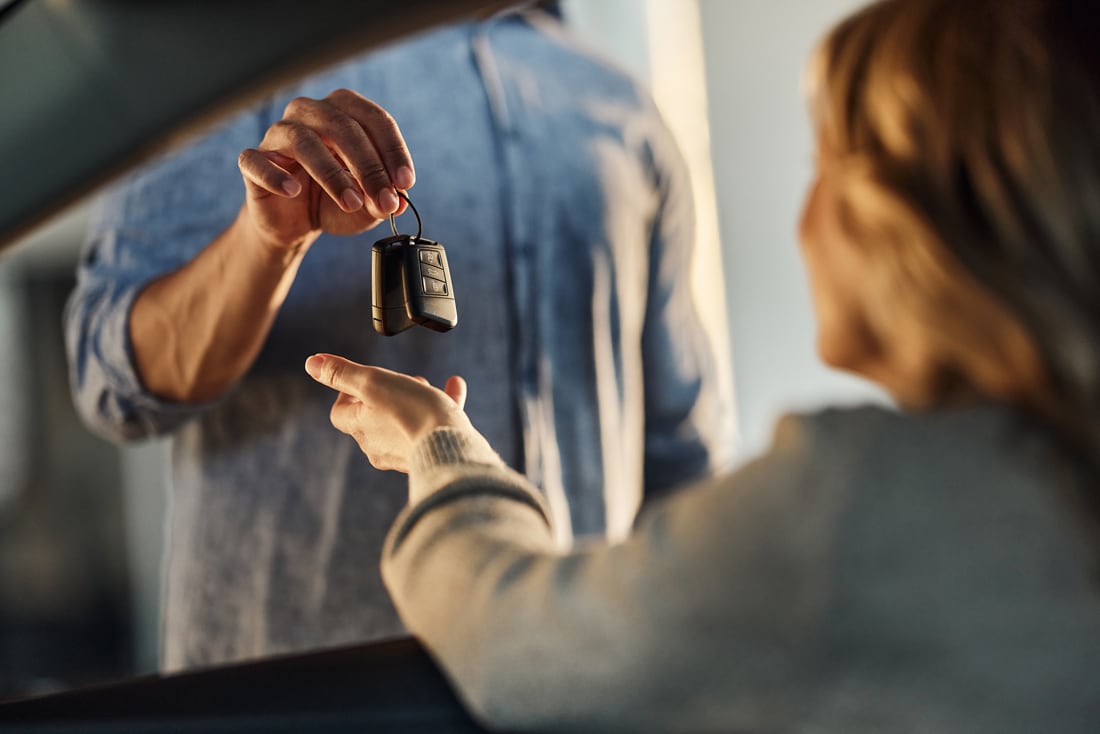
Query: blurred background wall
{"type": "Point", "coordinates": [81, 521]}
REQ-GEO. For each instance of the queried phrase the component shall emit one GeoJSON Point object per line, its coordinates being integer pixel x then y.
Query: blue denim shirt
{"type": "Point", "coordinates": [568, 221]}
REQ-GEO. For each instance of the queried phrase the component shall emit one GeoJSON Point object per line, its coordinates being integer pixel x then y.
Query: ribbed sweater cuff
{"type": "Point", "coordinates": [447, 446]}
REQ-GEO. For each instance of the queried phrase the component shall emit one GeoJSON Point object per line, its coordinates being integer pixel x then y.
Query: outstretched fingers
{"type": "Point", "coordinates": [340, 374]}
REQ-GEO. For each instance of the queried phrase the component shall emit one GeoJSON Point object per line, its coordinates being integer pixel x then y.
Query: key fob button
{"type": "Point", "coordinates": [431, 271]}
{"type": "Point", "coordinates": [431, 257]}
{"type": "Point", "coordinates": [433, 287]}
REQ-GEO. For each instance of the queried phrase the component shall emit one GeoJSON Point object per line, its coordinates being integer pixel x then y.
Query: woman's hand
{"type": "Point", "coordinates": [329, 165]}
{"type": "Point", "coordinates": [388, 413]}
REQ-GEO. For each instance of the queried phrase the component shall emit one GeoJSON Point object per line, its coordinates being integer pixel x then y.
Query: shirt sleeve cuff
{"type": "Point", "coordinates": [157, 414]}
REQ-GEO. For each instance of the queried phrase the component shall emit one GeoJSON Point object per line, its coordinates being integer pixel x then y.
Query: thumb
{"type": "Point", "coordinates": [456, 390]}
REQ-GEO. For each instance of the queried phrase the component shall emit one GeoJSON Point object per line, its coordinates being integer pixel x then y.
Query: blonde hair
{"type": "Point", "coordinates": [969, 135]}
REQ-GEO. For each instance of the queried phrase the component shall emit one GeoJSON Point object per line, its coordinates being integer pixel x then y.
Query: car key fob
{"type": "Point", "coordinates": [411, 283]}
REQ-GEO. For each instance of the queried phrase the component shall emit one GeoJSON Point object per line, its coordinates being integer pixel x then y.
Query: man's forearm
{"type": "Point", "coordinates": [198, 329]}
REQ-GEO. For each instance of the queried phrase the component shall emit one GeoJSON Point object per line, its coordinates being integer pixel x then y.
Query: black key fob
{"type": "Point", "coordinates": [411, 283]}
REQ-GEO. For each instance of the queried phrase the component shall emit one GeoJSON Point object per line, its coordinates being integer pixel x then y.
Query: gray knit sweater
{"type": "Point", "coordinates": [872, 572]}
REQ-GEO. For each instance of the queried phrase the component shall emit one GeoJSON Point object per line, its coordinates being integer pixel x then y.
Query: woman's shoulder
{"type": "Point", "coordinates": [972, 457]}
{"type": "Point", "coordinates": [888, 434]}
{"type": "Point", "coordinates": [988, 483]}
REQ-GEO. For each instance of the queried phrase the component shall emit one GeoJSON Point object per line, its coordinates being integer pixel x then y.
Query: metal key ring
{"type": "Point", "coordinates": [419, 226]}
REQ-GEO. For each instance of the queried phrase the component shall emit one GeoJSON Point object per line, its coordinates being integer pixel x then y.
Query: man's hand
{"type": "Point", "coordinates": [388, 413]}
{"type": "Point", "coordinates": [328, 165]}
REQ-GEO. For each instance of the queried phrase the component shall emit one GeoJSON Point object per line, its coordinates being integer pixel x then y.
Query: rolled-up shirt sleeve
{"type": "Point", "coordinates": [150, 224]}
